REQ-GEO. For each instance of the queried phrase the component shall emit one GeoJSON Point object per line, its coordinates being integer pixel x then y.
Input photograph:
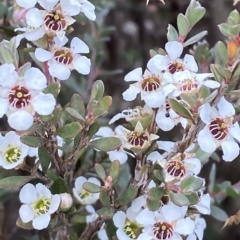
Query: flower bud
{"type": "Point", "coordinates": [108, 183]}
{"type": "Point", "coordinates": [66, 201]}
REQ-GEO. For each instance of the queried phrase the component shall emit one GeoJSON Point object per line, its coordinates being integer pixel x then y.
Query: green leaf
{"type": "Point", "coordinates": [201, 155]}
{"type": "Point", "coordinates": [179, 199]}
{"type": "Point", "coordinates": [204, 91]}
{"type": "Point", "coordinates": [172, 34]}
{"type": "Point", "coordinates": [100, 171]}
{"type": "Point", "coordinates": [74, 113]}
{"type": "Point", "coordinates": [32, 141]}
{"type": "Point", "coordinates": [104, 198]}
{"type": "Point", "coordinates": [152, 53]}
{"type": "Point", "coordinates": [106, 144]}
{"type": "Point", "coordinates": [194, 12]}
{"type": "Point", "coordinates": [195, 38]}
{"type": "Point", "coordinates": [99, 108]}
{"type": "Point", "coordinates": [21, 224]}
{"type": "Point", "coordinates": [78, 219]}
{"type": "Point", "coordinates": [3, 10]}
{"type": "Point", "coordinates": [60, 186]}
{"type": "Point", "coordinates": [70, 130]}
{"type": "Point", "coordinates": [127, 196]}
{"type": "Point", "coordinates": [97, 90]}
{"type": "Point", "coordinates": [93, 129]}
{"type": "Point", "coordinates": [158, 176]}
{"type": "Point", "coordinates": [44, 158]}
{"type": "Point", "coordinates": [115, 168]}
{"type": "Point", "coordinates": [46, 118]}
{"type": "Point", "coordinates": [91, 187]}
{"type": "Point", "coordinates": [210, 97]}
{"type": "Point", "coordinates": [193, 198]}
{"type": "Point", "coordinates": [183, 25]}
{"type": "Point", "coordinates": [106, 212]}
{"type": "Point", "coordinates": [191, 184]}
{"type": "Point", "coordinates": [14, 181]}
{"type": "Point", "coordinates": [53, 88]}
{"type": "Point", "coordinates": [6, 55]}
{"type": "Point", "coordinates": [153, 199]}
{"type": "Point", "coordinates": [56, 114]}
{"type": "Point", "coordinates": [218, 213]}
{"type": "Point", "coordinates": [222, 52]}
{"type": "Point", "coordinates": [235, 16]}
{"type": "Point", "coordinates": [180, 109]}
{"type": "Point", "coordinates": [77, 103]}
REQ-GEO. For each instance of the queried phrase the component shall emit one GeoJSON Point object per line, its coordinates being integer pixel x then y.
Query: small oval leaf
{"type": "Point", "coordinates": [70, 130]}
{"type": "Point", "coordinates": [91, 187]}
{"type": "Point", "coordinates": [32, 141]}
{"type": "Point", "coordinates": [106, 144]}
{"type": "Point", "coordinates": [14, 181]}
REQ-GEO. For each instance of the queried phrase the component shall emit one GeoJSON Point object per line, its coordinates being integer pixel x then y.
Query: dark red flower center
{"type": "Point", "coordinates": [176, 168]}
{"type": "Point", "coordinates": [137, 139]}
{"type": "Point", "coordinates": [19, 97]}
{"type": "Point", "coordinates": [151, 84]}
{"type": "Point", "coordinates": [55, 21]}
{"type": "Point", "coordinates": [218, 128]}
{"type": "Point", "coordinates": [64, 56]}
{"type": "Point", "coordinates": [175, 67]}
{"type": "Point", "coordinates": [162, 230]}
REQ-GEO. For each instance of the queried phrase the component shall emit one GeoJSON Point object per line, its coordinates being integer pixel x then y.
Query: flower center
{"type": "Point", "coordinates": [19, 97]}
{"type": "Point", "coordinates": [175, 67]}
{"type": "Point", "coordinates": [83, 194]}
{"type": "Point", "coordinates": [188, 85]}
{"type": "Point", "coordinates": [218, 128]}
{"type": "Point", "coordinates": [137, 139]}
{"type": "Point", "coordinates": [12, 154]}
{"type": "Point", "coordinates": [42, 206]}
{"type": "Point", "coordinates": [131, 229]}
{"type": "Point", "coordinates": [55, 21]}
{"type": "Point", "coordinates": [151, 84]}
{"type": "Point", "coordinates": [63, 56]}
{"type": "Point", "coordinates": [176, 168]}
{"type": "Point", "coordinates": [162, 230]}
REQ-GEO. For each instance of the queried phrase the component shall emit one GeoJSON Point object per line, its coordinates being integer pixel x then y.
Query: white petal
{"type": "Point", "coordinates": [34, 18]}
{"type": "Point", "coordinates": [41, 222]}
{"type": "Point", "coordinates": [70, 10]}
{"type": "Point", "coordinates": [190, 63]}
{"type": "Point", "coordinates": [225, 108]}
{"type": "Point", "coordinates": [43, 55]}
{"type": "Point", "coordinates": [8, 75]}
{"type": "Point", "coordinates": [79, 182]}
{"type": "Point", "coordinates": [168, 88]}
{"type": "Point", "coordinates": [205, 113]}
{"type": "Point", "coordinates": [26, 213]}
{"type": "Point", "coordinates": [43, 103]}
{"type": "Point", "coordinates": [4, 106]}
{"type": "Point", "coordinates": [104, 132]}
{"type": "Point", "coordinates": [59, 71]}
{"type": "Point", "coordinates": [165, 145]}
{"type": "Point", "coordinates": [35, 79]}
{"type": "Point", "coordinates": [185, 226]}
{"type": "Point", "coordinates": [138, 203]}
{"type": "Point", "coordinates": [134, 75]}
{"type": "Point", "coordinates": [154, 99]}
{"type": "Point", "coordinates": [145, 217]}
{"type": "Point", "coordinates": [192, 237]}
{"type": "Point", "coordinates": [204, 205]}
{"type": "Point", "coordinates": [174, 49]}
{"type": "Point", "coordinates": [20, 120]}
{"type": "Point", "coordinates": [54, 203]}
{"type": "Point", "coordinates": [26, 3]}
{"type": "Point", "coordinates": [230, 150]}
{"type": "Point", "coordinates": [78, 46]}
{"type": "Point", "coordinates": [117, 117]}
{"type": "Point", "coordinates": [194, 165]}
{"type": "Point", "coordinates": [118, 155]}
{"type": "Point", "coordinates": [172, 212]}
{"type": "Point", "coordinates": [119, 219]}
{"type": "Point", "coordinates": [206, 141]}
{"type": "Point", "coordinates": [166, 124]}
{"type": "Point", "coordinates": [35, 34]}
{"type": "Point", "coordinates": [28, 194]}
{"type": "Point", "coordinates": [154, 156]}
{"type": "Point", "coordinates": [88, 10]}
{"type": "Point", "coordinates": [82, 65]}
{"type": "Point", "coordinates": [131, 93]}
{"type": "Point", "coordinates": [43, 191]}
{"type": "Point", "coordinates": [211, 84]}
{"type": "Point", "coordinates": [234, 130]}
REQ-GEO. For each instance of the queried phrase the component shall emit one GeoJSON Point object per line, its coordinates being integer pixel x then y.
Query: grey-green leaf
{"type": "Point", "coordinates": [70, 130]}
{"type": "Point", "coordinates": [91, 187]}
{"type": "Point", "coordinates": [106, 144]}
{"type": "Point", "coordinates": [191, 184]}
{"type": "Point", "coordinates": [127, 196]}
{"type": "Point", "coordinates": [183, 25]}
{"type": "Point", "coordinates": [32, 141]}
{"type": "Point", "coordinates": [100, 171]}
{"type": "Point", "coordinates": [77, 103]}
{"type": "Point", "coordinates": [14, 182]}
{"type": "Point", "coordinates": [97, 90]}
{"type": "Point", "coordinates": [106, 212]}
{"type": "Point", "coordinates": [44, 158]}
{"type": "Point", "coordinates": [115, 168]}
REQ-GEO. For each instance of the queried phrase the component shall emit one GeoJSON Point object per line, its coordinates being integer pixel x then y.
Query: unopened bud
{"type": "Point", "coordinates": [232, 48]}
{"type": "Point", "coordinates": [108, 183]}
{"type": "Point", "coordinates": [66, 201]}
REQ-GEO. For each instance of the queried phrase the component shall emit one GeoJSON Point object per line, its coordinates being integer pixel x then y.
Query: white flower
{"type": "Point", "coordinates": [92, 216]}
{"type": "Point", "coordinates": [167, 118]}
{"type": "Point", "coordinates": [21, 96]}
{"type": "Point", "coordinates": [102, 234]}
{"type": "Point", "coordinates": [82, 196]}
{"type": "Point", "coordinates": [203, 206]}
{"type": "Point", "coordinates": [52, 21]}
{"type": "Point", "coordinates": [171, 63]}
{"type": "Point", "coordinates": [200, 225]}
{"type": "Point", "coordinates": [117, 154]}
{"type": "Point", "coordinates": [128, 228]}
{"type": "Point", "coordinates": [32, 3]}
{"type": "Point", "coordinates": [189, 82]}
{"type": "Point", "coordinates": [149, 84]}
{"type": "Point", "coordinates": [12, 150]}
{"type": "Point", "coordinates": [61, 60]}
{"type": "Point", "coordinates": [168, 224]}
{"type": "Point", "coordinates": [179, 166]}
{"type": "Point", "coordinates": [219, 130]}
{"type": "Point", "coordinates": [83, 6]}
{"type": "Point", "coordinates": [138, 139]}
{"type": "Point", "coordinates": [38, 205]}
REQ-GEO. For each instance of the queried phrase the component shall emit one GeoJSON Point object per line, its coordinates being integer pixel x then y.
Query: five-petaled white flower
{"type": "Point", "coordinates": [61, 60]}
{"type": "Point", "coordinates": [32, 3]}
{"type": "Point", "coordinates": [219, 130]}
{"type": "Point", "coordinates": [21, 96]}
{"type": "Point", "coordinates": [38, 205]}
{"type": "Point", "coordinates": [12, 150]}
{"type": "Point", "coordinates": [166, 224]}
{"type": "Point", "coordinates": [82, 196]}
